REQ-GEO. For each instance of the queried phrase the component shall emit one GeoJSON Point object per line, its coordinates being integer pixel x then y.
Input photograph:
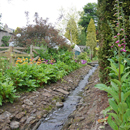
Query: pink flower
{"type": "Point", "coordinates": [118, 34]}
{"type": "Point", "coordinates": [115, 36]}
{"type": "Point", "coordinates": [111, 46]}
{"type": "Point", "coordinates": [125, 36]}
{"type": "Point", "coordinates": [123, 50]}
{"type": "Point", "coordinates": [122, 44]}
{"type": "Point", "coordinates": [119, 45]}
{"type": "Point", "coordinates": [117, 23]}
{"type": "Point", "coordinates": [122, 29]}
{"type": "Point", "coordinates": [117, 41]}
{"type": "Point", "coordinates": [124, 41]}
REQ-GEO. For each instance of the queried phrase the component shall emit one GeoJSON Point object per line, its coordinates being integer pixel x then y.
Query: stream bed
{"type": "Point", "coordinates": [57, 118]}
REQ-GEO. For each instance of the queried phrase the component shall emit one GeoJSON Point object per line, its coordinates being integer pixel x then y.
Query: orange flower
{"type": "Point", "coordinates": [102, 120]}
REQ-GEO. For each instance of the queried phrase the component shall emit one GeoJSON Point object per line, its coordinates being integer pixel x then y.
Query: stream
{"type": "Point", "coordinates": [56, 120]}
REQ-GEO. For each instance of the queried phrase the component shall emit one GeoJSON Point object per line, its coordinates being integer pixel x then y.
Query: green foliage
{"type": "Point", "coordinates": [121, 109]}
{"type": "Point", "coordinates": [72, 31]}
{"type": "Point", "coordinates": [17, 30]}
{"type": "Point", "coordinates": [7, 92]}
{"type": "Point", "coordinates": [82, 38]}
{"type": "Point", "coordinates": [83, 56]}
{"type": "Point", "coordinates": [5, 40]}
{"type": "Point", "coordinates": [119, 118]}
{"type": "Point", "coordinates": [105, 13]}
{"type": "Point", "coordinates": [4, 64]}
{"type": "Point", "coordinates": [91, 36]}
{"type": "Point", "coordinates": [89, 11]}
{"type": "Point", "coordinates": [28, 77]}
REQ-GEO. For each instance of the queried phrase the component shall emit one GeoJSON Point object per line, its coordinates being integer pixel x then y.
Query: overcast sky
{"type": "Point", "coordinates": [13, 13]}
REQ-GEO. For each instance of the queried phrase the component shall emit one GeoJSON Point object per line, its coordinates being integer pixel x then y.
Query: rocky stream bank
{"type": "Point", "coordinates": [27, 111]}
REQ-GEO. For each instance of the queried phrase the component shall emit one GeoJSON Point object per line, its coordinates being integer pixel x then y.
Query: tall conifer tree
{"type": "Point", "coordinates": [91, 36]}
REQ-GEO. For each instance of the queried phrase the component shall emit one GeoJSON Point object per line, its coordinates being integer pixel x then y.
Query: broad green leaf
{"type": "Point", "coordinates": [122, 97]}
{"type": "Point", "coordinates": [121, 68]}
{"type": "Point", "coordinates": [127, 115]}
{"type": "Point", "coordinates": [117, 120]}
{"type": "Point", "coordinates": [124, 127]}
{"type": "Point", "coordinates": [112, 123]}
{"type": "Point", "coordinates": [126, 95]}
{"type": "Point", "coordinates": [124, 76]}
{"type": "Point", "coordinates": [115, 86]}
{"type": "Point", "coordinates": [113, 105]}
{"type": "Point", "coordinates": [122, 107]}
{"type": "Point", "coordinates": [115, 70]}
{"type": "Point", "coordinates": [113, 93]}
{"type": "Point", "coordinates": [116, 81]}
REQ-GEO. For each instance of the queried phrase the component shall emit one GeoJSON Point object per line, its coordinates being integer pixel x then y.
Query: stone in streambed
{"type": "Point", "coordinates": [14, 124]}
{"type": "Point", "coordinates": [59, 104]}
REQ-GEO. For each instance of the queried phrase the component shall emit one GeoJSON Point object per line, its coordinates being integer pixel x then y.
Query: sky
{"type": "Point", "coordinates": [13, 12]}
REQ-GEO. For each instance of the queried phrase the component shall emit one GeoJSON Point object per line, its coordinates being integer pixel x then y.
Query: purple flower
{"type": "Point", "coordinates": [124, 41]}
{"type": "Point", "coordinates": [83, 61]}
{"type": "Point", "coordinates": [117, 41]}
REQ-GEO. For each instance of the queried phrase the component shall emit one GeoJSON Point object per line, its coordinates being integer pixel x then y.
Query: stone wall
{"type": "Point", "coordinates": [4, 33]}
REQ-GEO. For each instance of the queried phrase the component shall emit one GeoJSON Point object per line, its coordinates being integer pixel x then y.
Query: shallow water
{"type": "Point", "coordinates": [56, 120]}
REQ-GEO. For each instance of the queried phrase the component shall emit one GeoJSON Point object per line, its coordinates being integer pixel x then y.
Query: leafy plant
{"type": "Point", "coordinates": [119, 77]}
{"type": "Point", "coordinates": [7, 92]}
{"type": "Point", "coordinates": [5, 40]}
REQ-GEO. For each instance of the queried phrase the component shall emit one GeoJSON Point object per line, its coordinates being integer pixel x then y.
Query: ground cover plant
{"type": "Point", "coordinates": [118, 90]}
{"type": "Point", "coordinates": [28, 75]}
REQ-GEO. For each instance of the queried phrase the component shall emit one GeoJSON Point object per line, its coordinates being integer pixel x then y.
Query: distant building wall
{"type": "Point", "coordinates": [4, 33]}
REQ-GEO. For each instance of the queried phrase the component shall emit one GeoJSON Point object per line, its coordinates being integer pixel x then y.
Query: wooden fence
{"type": "Point", "coordinates": [13, 52]}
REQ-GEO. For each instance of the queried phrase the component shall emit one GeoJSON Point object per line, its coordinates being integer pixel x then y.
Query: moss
{"type": "Point", "coordinates": [48, 108]}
